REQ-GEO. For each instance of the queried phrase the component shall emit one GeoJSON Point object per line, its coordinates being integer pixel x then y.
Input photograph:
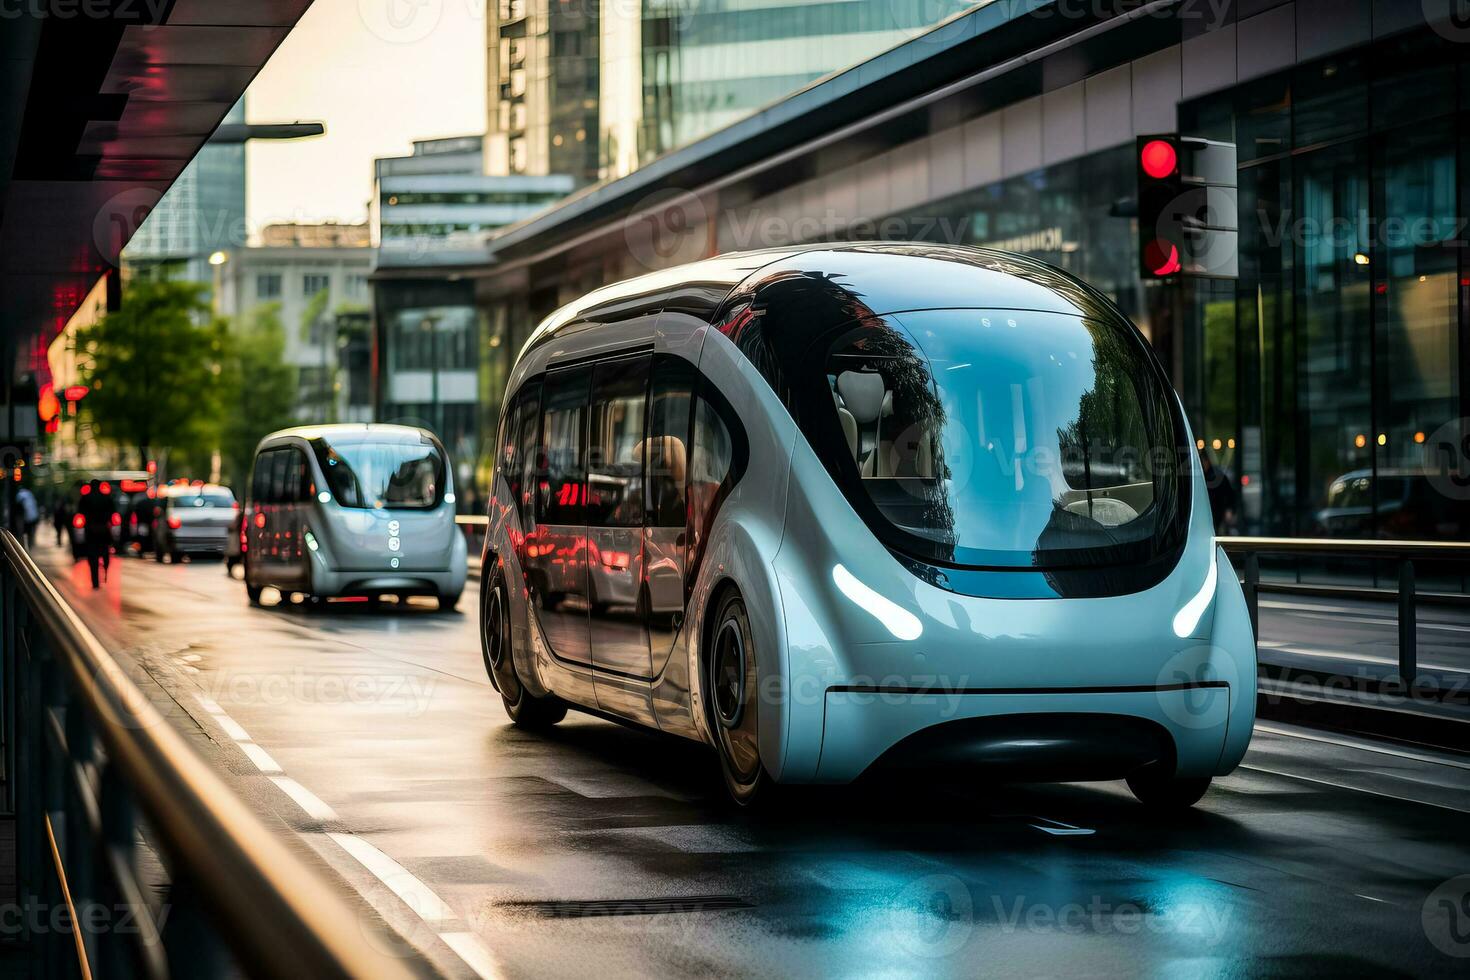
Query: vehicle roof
{"type": "Point", "coordinates": [882, 277]}
{"type": "Point", "coordinates": [193, 489]}
{"type": "Point", "coordinates": [349, 432]}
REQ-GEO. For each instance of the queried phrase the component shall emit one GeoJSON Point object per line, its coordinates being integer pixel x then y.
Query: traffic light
{"type": "Point", "coordinates": [1187, 208]}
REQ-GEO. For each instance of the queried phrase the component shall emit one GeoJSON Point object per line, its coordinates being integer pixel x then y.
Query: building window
{"type": "Point", "coordinates": [268, 285]}
{"type": "Point", "coordinates": [357, 285]}
{"type": "Point", "coordinates": [313, 283]}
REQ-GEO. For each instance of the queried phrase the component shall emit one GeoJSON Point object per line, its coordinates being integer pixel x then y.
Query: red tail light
{"type": "Point", "coordinates": [115, 520]}
{"type": "Point", "coordinates": [175, 521]}
{"type": "Point", "coordinates": [259, 519]}
{"type": "Point", "coordinates": [78, 521]}
{"type": "Point", "coordinates": [106, 487]}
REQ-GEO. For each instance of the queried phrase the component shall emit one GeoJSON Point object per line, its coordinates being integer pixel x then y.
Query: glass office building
{"type": "Point", "coordinates": [1327, 379]}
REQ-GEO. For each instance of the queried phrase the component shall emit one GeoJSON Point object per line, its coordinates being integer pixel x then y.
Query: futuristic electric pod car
{"type": "Point", "coordinates": [844, 506]}
{"type": "Point", "coordinates": [352, 510]}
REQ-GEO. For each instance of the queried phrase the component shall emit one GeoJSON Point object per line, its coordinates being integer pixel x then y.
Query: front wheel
{"type": "Point", "coordinates": [733, 703]}
{"type": "Point", "coordinates": [252, 592]}
{"type": "Point", "coordinates": [1158, 791]}
{"type": "Point", "coordinates": [525, 709]}
{"type": "Point", "coordinates": [447, 603]}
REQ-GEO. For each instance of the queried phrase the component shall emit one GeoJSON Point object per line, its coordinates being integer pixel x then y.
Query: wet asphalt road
{"type": "Point", "coordinates": [373, 739]}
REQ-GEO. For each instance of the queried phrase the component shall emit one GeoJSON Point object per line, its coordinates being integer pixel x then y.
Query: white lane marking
{"type": "Point", "coordinates": [1380, 621]}
{"type": "Point", "coordinates": [259, 756]}
{"type": "Point", "coordinates": [1059, 829]}
{"type": "Point", "coordinates": [415, 894]}
{"type": "Point", "coordinates": [1355, 789]}
{"type": "Point", "coordinates": [1372, 899]}
{"type": "Point", "coordinates": [473, 951]}
{"type": "Point", "coordinates": [1365, 746]}
{"type": "Point", "coordinates": [232, 728]}
{"type": "Point", "coordinates": [209, 704]}
{"type": "Point", "coordinates": [305, 798]}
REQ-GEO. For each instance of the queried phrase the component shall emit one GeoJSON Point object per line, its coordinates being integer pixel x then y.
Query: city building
{"type": "Point", "coordinates": [597, 90]}
{"type": "Point", "coordinates": [1326, 379]}
{"type": "Point", "coordinates": [202, 213]}
{"type": "Point", "coordinates": [433, 214]}
{"type": "Point", "coordinates": [312, 275]}
{"type": "Point", "coordinates": [438, 201]}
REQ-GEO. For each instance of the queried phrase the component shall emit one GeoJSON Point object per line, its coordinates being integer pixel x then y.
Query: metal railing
{"type": "Point", "coordinates": [100, 783]}
{"type": "Point", "coordinates": [1404, 553]}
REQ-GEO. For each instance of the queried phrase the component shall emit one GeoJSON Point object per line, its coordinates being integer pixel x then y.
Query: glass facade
{"type": "Point", "coordinates": [1321, 378]}
{"type": "Point", "coordinates": [694, 66]}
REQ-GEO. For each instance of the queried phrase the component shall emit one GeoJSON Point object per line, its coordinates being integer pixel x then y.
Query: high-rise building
{"type": "Point", "coordinates": [202, 213]}
{"type": "Point", "coordinates": [596, 90]}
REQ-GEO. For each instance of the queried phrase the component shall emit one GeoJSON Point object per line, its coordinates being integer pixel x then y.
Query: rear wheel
{"type": "Point", "coordinates": [525, 709]}
{"type": "Point", "coordinates": [734, 706]}
{"type": "Point", "coordinates": [252, 592]}
{"type": "Point", "coordinates": [1158, 791]}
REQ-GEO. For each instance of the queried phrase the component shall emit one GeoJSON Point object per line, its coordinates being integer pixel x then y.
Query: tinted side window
{"type": "Point", "coordinates": [561, 487]}
{"type": "Point", "coordinates": [717, 460]}
{"type": "Point", "coordinates": [523, 475]}
{"type": "Point", "coordinates": [260, 478]}
{"type": "Point", "coordinates": [305, 486]}
{"type": "Point", "coordinates": [670, 398]}
{"type": "Point", "coordinates": [615, 456]}
{"type": "Point", "coordinates": [291, 483]}
{"type": "Point", "coordinates": [278, 477]}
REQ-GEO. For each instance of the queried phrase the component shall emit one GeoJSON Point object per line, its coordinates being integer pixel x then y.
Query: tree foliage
{"type": "Point", "coordinates": [260, 390]}
{"type": "Point", "coordinates": [154, 373]}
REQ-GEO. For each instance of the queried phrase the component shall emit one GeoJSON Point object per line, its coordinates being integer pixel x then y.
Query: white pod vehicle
{"type": "Point", "coordinates": [352, 510]}
{"type": "Point", "coordinates": [846, 506]}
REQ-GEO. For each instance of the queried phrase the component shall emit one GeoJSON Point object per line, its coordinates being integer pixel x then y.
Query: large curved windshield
{"type": "Point", "coordinates": [372, 474]}
{"type": "Point", "coordinates": [1003, 439]}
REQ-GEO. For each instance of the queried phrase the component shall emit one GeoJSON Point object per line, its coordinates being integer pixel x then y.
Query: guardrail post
{"type": "Point", "coordinates": [1408, 627]}
{"type": "Point", "coordinates": [1252, 589]}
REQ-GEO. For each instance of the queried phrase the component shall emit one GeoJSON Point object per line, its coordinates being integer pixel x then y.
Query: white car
{"type": "Point", "coordinates": [905, 505]}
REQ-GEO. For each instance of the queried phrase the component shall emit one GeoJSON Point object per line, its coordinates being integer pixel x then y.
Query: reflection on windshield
{"type": "Point", "coordinates": [386, 474]}
{"type": "Point", "coordinates": [1005, 438]}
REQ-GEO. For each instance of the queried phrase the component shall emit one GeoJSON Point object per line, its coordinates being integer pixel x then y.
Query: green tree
{"type": "Point", "coordinates": [154, 373]}
{"type": "Point", "coordinates": [260, 390]}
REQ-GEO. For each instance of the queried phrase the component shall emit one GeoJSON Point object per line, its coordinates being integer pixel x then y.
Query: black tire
{"type": "Point", "coordinates": [447, 603]}
{"type": "Point", "coordinates": [252, 592]}
{"type": "Point", "coordinates": [1159, 791]}
{"type": "Point", "coordinates": [525, 709]}
{"type": "Point", "coordinates": [731, 686]}
{"type": "Point", "coordinates": [159, 556]}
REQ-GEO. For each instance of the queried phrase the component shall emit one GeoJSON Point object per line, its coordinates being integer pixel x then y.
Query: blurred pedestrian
{"type": "Point", "coordinates": [96, 509]}
{"type": "Point", "coordinates": [1224, 498]}
{"type": "Point", "coordinates": [28, 516]}
{"type": "Point", "coordinates": [61, 518]}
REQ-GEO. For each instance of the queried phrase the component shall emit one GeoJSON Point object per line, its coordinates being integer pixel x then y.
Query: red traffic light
{"type": "Point", "coordinates": [1159, 159]}
{"type": "Point", "coordinates": [1162, 258]}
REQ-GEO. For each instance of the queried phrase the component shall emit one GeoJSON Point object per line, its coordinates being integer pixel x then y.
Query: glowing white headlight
{"type": "Point", "coordinates": [1188, 616]}
{"type": "Point", "coordinates": [311, 541]}
{"type": "Point", "coordinates": [324, 497]}
{"type": "Point", "coordinates": [899, 621]}
{"type": "Point", "coordinates": [449, 498]}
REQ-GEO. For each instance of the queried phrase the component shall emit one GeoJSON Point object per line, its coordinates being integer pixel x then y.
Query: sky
{"type": "Point", "coordinates": [379, 74]}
